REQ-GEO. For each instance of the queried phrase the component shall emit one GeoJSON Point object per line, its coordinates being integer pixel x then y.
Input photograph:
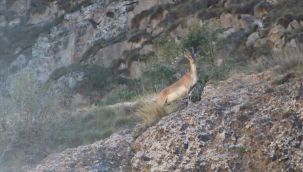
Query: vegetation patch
{"type": "Point", "coordinates": [98, 124]}
{"type": "Point", "coordinates": [118, 95]}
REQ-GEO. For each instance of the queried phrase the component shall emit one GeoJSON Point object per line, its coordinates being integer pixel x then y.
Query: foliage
{"type": "Point", "coordinates": [158, 76]}
{"type": "Point", "coordinates": [116, 96]}
{"type": "Point", "coordinates": [27, 114]}
{"type": "Point", "coordinates": [202, 39]}
{"type": "Point", "coordinates": [98, 124]}
{"type": "Point", "coordinates": [167, 50]}
{"type": "Point", "coordinates": [34, 123]}
{"type": "Point", "coordinates": [242, 149]}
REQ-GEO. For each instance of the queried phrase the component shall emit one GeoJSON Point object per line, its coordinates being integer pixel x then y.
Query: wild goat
{"type": "Point", "coordinates": [181, 87]}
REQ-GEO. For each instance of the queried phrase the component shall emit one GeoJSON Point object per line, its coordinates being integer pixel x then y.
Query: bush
{"type": "Point", "coordinates": [27, 114]}
{"type": "Point", "coordinates": [116, 96]}
{"type": "Point", "coordinates": [202, 39]}
{"type": "Point", "coordinates": [98, 124]}
{"type": "Point", "coordinates": [167, 50]}
{"type": "Point", "coordinates": [34, 123]}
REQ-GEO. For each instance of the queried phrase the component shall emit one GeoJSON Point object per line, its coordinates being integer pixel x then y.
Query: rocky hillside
{"type": "Point", "coordinates": [246, 123]}
{"type": "Point", "coordinates": [63, 61]}
{"type": "Point", "coordinates": [67, 41]}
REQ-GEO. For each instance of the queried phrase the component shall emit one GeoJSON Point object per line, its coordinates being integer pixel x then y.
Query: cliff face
{"type": "Point", "coordinates": [79, 48]}
{"type": "Point", "coordinates": [44, 37]}
{"type": "Point", "coordinates": [246, 123]}
{"type": "Point", "coordinates": [53, 39]}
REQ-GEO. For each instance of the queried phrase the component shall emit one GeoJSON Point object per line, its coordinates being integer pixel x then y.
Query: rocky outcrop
{"type": "Point", "coordinates": [63, 38]}
{"type": "Point", "coordinates": [43, 37]}
{"type": "Point", "coordinates": [84, 44]}
{"type": "Point", "coordinates": [112, 154]}
{"type": "Point", "coordinates": [246, 123]}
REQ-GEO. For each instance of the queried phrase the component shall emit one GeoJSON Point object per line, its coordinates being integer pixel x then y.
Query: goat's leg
{"type": "Point", "coordinates": [189, 96]}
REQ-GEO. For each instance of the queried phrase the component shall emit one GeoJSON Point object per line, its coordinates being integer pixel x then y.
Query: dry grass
{"type": "Point", "coordinates": [150, 112]}
{"type": "Point", "coordinates": [289, 59]}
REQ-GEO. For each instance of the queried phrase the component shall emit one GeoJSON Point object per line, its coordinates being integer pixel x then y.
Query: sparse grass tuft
{"type": "Point", "coordinates": [242, 149]}
{"type": "Point", "coordinates": [288, 59]}
{"type": "Point", "coordinates": [150, 112]}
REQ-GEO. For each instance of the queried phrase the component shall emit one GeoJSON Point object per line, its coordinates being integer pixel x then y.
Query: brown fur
{"type": "Point", "coordinates": [180, 87]}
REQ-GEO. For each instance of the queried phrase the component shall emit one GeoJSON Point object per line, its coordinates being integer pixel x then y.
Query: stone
{"type": "Point", "coordinates": [226, 20]}
{"type": "Point", "coordinates": [3, 22]}
{"type": "Point", "coordinates": [275, 35]}
{"type": "Point", "coordinates": [293, 25]}
{"type": "Point", "coordinates": [112, 154]}
{"type": "Point", "coordinates": [252, 38]}
{"type": "Point", "coordinates": [226, 33]}
{"type": "Point", "coordinates": [135, 70]}
{"type": "Point", "coordinates": [215, 137]}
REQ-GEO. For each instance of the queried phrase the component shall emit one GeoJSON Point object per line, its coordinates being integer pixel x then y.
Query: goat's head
{"type": "Point", "coordinates": [190, 55]}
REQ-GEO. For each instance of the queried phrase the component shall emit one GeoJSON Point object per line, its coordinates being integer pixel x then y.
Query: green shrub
{"type": "Point", "coordinates": [158, 76]}
{"type": "Point", "coordinates": [117, 96]}
{"type": "Point", "coordinates": [167, 50]}
{"type": "Point", "coordinates": [34, 124]}
{"type": "Point", "coordinates": [27, 114]}
{"type": "Point", "coordinates": [99, 124]}
{"type": "Point", "coordinates": [202, 39]}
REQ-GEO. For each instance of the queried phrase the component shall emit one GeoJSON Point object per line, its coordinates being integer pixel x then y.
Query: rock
{"type": "Point", "coordinates": [293, 25]}
{"type": "Point", "coordinates": [237, 125]}
{"type": "Point", "coordinates": [261, 9]}
{"type": "Point", "coordinates": [226, 20]}
{"type": "Point", "coordinates": [108, 55]}
{"type": "Point", "coordinates": [292, 44]}
{"type": "Point", "coordinates": [243, 21]}
{"type": "Point", "coordinates": [252, 38]}
{"type": "Point", "coordinates": [261, 43]}
{"type": "Point", "coordinates": [226, 33]}
{"type": "Point", "coordinates": [275, 2]}
{"type": "Point", "coordinates": [135, 70]}
{"type": "Point", "coordinates": [225, 131]}
{"type": "Point", "coordinates": [3, 21]}
{"type": "Point", "coordinates": [51, 12]}
{"type": "Point", "coordinates": [112, 154]}
{"type": "Point", "coordinates": [275, 35]}
{"type": "Point", "coordinates": [72, 37]}
{"type": "Point", "coordinates": [243, 123]}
